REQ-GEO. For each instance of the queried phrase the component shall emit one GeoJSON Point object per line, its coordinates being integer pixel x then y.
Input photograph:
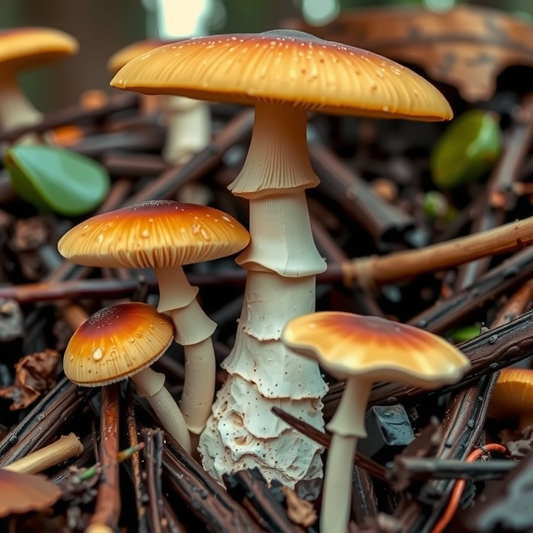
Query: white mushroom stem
{"type": "Point", "coordinates": [347, 426]}
{"type": "Point", "coordinates": [64, 448]}
{"type": "Point", "coordinates": [15, 109]}
{"type": "Point", "coordinates": [188, 128]}
{"type": "Point", "coordinates": [193, 331]}
{"type": "Point", "coordinates": [282, 262]}
{"type": "Point", "coordinates": [151, 385]}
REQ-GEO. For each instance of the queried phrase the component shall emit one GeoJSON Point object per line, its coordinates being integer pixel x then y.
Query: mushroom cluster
{"type": "Point", "coordinates": [285, 74]}
{"type": "Point", "coordinates": [165, 235]}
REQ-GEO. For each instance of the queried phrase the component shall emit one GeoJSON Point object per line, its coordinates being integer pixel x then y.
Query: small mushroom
{"type": "Point", "coordinates": [120, 342]}
{"type": "Point", "coordinates": [363, 350]}
{"type": "Point", "coordinates": [165, 235]}
{"type": "Point", "coordinates": [188, 121]}
{"type": "Point", "coordinates": [512, 397]}
{"type": "Point", "coordinates": [22, 493]}
{"type": "Point", "coordinates": [21, 49]}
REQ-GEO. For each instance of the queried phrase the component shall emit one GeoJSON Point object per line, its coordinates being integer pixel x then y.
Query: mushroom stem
{"type": "Point", "coordinates": [64, 448]}
{"type": "Point", "coordinates": [347, 425]}
{"type": "Point", "coordinates": [188, 128]}
{"type": "Point", "coordinates": [193, 331]}
{"type": "Point", "coordinates": [282, 262]}
{"type": "Point", "coordinates": [151, 385]}
{"type": "Point", "coordinates": [15, 109]}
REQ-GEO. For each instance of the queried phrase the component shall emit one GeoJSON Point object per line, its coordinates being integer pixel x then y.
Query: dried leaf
{"type": "Point", "coordinates": [466, 47]}
{"type": "Point", "coordinates": [34, 374]}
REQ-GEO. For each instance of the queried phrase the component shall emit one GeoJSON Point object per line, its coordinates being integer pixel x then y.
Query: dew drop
{"type": "Point", "coordinates": [98, 354]}
{"type": "Point", "coordinates": [131, 339]}
{"type": "Point", "coordinates": [145, 234]}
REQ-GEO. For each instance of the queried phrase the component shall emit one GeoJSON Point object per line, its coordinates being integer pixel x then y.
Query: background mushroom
{"type": "Point", "coordinates": [120, 342]}
{"type": "Point", "coordinates": [188, 121]}
{"type": "Point", "coordinates": [22, 493]}
{"type": "Point", "coordinates": [22, 49]}
{"type": "Point", "coordinates": [363, 350]}
{"type": "Point", "coordinates": [284, 74]}
{"type": "Point", "coordinates": [165, 235]}
{"type": "Point", "coordinates": [512, 397]}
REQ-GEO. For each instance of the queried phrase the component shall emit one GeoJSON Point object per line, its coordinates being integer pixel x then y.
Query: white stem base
{"type": "Point", "coordinates": [151, 385]}
{"type": "Point", "coordinates": [244, 433]}
{"type": "Point", "coordinates": [336, 498]}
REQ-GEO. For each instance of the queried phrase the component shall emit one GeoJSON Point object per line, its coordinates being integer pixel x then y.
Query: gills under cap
{"type": "Point", "coordinates": [285, 67]}
{"type": "Point", "coordinates": [154, 234]}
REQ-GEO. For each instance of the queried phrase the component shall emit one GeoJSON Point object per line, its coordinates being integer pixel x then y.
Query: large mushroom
{"type": "Point", "coordinates": [363, 350]}
{"type": "Point", "coordinates": [284, 74]}
{"type": "Point", "coordinates": [166, 235]}
{"type": "Point", "coordinates": [188, 121]}
{"type": "Point", "coordinates": [121, 342]}
{"type": "Point", "coordinates": [21, 49]}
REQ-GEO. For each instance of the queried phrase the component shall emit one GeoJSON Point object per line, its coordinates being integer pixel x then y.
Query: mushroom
{"type": "Point", "coordinates": [165, 235]}
{"type": "Point", "coordinates": [188, 121]}
{"type": "Point", "coordinates": [22, 493]}
{"type": "Point", "coordinates": [512, 397]}
{"type": "Point", "coordinates": [363, 350]}
{"type": "Point", "coordinates": [21, 49]}
{"type": "Point", "coordinates": [284, 74]}
{"type": "Point", "coordinates": [120, 342]}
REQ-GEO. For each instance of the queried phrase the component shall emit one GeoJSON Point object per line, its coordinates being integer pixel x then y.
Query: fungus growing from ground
{"type": "Point", "coordinates": [285, 74]}
{"type": "Point", "coordinates": [363, 350]}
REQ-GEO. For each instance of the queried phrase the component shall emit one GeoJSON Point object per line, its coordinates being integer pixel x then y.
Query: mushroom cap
{"type": "Point", "coordinates": [159, 233]}
{"type": "Point", "coordinates": [512, 396]}
{"type": "Point", "coordinates": [23, 48]}
{"type": "Point", "coordinates": [126, 54]}
{"type": "Point", "coordinates": [285, 67]}
{"type": "Point", "coordinates": [22, 493]}
{"type": "Point", "coordinates": [115, 343]}
{"type": "Point", "coordinates": [348, 345]}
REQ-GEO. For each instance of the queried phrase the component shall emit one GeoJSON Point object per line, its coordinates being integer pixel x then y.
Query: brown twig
{"type": "Point", "coordinates": [108, 504]}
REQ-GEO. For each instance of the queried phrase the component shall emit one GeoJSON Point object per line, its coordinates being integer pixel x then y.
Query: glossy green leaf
{"type": "Point", "coordinates": [55, 179]}
{"type": "Point", "coordinates": [468, 148]}
{"type": "Point", "coordinates": [464, 333]}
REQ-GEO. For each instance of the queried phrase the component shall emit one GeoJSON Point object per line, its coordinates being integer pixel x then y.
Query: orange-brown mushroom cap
{"type": "Point", "coordinates": [23, 48]}
{"type": "Point", "coordinates": [22, 493]}
{"type": "Point", "coordinates": [285, 67]}
{"type": "Point", "coordinates": [348, 345]}
{"type": "Point", "coordinates": [512, 396]}
{"type": "Point", "coordinates": [160, 233]}
{"type": "Point", "coordinates": [126, 54]}
{"type": "Point", "coordinates": [115, 343]}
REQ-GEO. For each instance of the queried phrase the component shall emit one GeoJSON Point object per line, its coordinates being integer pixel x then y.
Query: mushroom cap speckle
{"type": "Point", "coordinates": [23, 48]}
{"type": "Point", "coordinates": [512, 396]}
{"type": "Point", "coordinates": [160, 233]}
{"type": "Point", "coordinates": [349, 345]}
{"type": "Point", "coordinates": [22, 493]}
{"type": "Point", "coordinates": [115, 343]}
{"type": "Point", "coordinates": [285, 67]}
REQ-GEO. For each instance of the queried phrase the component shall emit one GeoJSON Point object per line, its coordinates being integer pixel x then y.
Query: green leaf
{"type": "Point", "coordinates": [55, 179]}
{"type": "Point", "coordinates": [468, 148]}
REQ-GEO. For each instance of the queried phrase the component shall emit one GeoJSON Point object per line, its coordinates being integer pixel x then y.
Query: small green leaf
{"type": "Point", "coordinates": [55, 179]}
{"type": "Point", "coordinates": [468, 148]}
{"type": "Point", "coordinates": [464, 333]}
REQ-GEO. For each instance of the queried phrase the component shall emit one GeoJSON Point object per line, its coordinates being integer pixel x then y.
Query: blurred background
{"type": "Point", "coordinates": [104, 26]}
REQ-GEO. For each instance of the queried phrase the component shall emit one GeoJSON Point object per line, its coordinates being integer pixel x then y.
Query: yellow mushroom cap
{"type": "Point", "coordinates": [23, 48]}
{"type": "Point", "coordinates": [349, 345]}
{"type": "Point", "coordinates": [115, 343]}
{"type": "Point", "coordinates": [22, 493]}
{"type": "Point", "coordinates": [512, 396]}
{"type": "Point", "coordinates": [285, 67]}
{"type": "Point", "coordinates": [159, 233]}
{"type": "Point", "coordinates": [126, 54]}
